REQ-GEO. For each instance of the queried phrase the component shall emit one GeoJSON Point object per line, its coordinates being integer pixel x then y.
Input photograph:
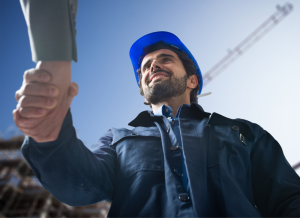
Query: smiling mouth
{"type": "Point", "coordinates": [154, 78]}
{"type": "Point", "coordinates": [158, 76]}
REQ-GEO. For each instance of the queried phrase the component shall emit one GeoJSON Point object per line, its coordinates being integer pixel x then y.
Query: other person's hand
{"type": "Point", "coordinates": [44, 99]}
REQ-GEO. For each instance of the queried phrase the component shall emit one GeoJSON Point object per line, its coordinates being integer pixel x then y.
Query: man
{"type": "Point", "coordinates": [178, 161]}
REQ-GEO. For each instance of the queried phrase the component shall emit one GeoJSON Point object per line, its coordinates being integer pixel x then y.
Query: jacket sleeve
{"type": "Point", "coordinates": [51, 29]}
{"type": "Point", "coordinates": [71, 172]}
{"type": "Point", "coordinates": [275, 183]}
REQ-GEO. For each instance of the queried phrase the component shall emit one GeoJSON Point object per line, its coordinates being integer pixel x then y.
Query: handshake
{"type": "Point", "coordinates": [44, 100]}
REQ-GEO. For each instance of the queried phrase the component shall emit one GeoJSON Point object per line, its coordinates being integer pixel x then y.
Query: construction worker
{"type": "Point", "coordinates": [177, 161]}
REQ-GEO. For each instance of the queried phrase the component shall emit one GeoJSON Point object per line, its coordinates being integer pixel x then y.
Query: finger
{"type": "Point", "coordinates": [22, 122]}
{"type": "Point", "coordinates": [38, 132]}
{"type": "Point", "coordinates": [36, 75]}
{"type": "Point", "coordinates": [32, 112]}
{"type": "Point", "coordinates": [18, 94]}
{"type": "Point", "coordinates": [73, 89]}
{"type": "Point", "coordinates": [45, 132]}
{"type": "Point", "coordinates": [38, 89]}
{"type": "Point", "coordinates": [37, 102]}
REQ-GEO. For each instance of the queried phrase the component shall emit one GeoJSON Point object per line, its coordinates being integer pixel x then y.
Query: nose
{"type": "Point", "coordinates": [155, 66]}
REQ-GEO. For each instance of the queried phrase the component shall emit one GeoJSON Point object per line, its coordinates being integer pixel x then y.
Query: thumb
{"type": "Point", "coordinates": [73, 89]}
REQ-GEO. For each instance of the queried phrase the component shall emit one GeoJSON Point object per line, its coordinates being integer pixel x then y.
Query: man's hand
{"type": "Point", "coordinates": [44, 99]}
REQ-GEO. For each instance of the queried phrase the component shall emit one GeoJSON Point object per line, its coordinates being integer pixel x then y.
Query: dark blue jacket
{"type": "Point", "coordinates": [235, 168]}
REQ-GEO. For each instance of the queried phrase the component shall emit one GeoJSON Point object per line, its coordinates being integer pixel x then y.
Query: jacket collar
{"type": "Point", "coordinates": [146, 118]}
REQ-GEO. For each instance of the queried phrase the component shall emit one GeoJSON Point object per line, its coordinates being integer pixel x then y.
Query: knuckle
{"type": "Point", "coordinates": [50, 102]}
{"type": "Point", "coordinates": [44, 76]}
{"type": "Point", "coordinates": [22, 111]}
{"type": "Point", "coordinates": [26, 88]}
{"type": "Point", "coordinates": [26, 75]}
{"type": "Point", "coordinates": [22, 101]}
{"type": "Point", "coordinates": [23, 123]}
{"type": "Point", "coordinates": [17, 95]}
{"type": "Point", "coordinates": [28, 114]}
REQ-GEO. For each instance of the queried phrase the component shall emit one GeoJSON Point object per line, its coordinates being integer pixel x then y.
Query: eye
{"type": "Point", "coordinates": [166, 59]}
{"type": "Point", "coordinates": [146, 67]}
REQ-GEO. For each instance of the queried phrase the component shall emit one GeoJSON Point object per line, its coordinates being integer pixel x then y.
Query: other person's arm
{"type": "Point", "coordinates": [51, 30]}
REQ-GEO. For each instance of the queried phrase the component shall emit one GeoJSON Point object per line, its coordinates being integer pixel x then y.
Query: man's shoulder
{"type": "Point", "coordinates": [246, 127]}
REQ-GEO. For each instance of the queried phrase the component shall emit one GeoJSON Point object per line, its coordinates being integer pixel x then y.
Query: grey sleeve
{"type": "Point", "coordinates": [51, 29]}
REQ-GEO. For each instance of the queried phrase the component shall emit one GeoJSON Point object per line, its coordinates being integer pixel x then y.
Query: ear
{"type": "Point", "coordinates": [147, 103]}
{"type": "Point", "coordinates": [192, 82]}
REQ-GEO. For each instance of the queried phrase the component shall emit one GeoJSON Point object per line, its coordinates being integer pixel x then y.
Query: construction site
{"type": "Point", "coordinates": [22, 195]}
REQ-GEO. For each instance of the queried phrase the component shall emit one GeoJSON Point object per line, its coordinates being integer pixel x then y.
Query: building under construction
{"type": "Point", "coordinates": [22, 195]}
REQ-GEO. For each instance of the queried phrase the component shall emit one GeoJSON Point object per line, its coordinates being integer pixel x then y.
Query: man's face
{"type": "Point", "coordinates": [163, 76]}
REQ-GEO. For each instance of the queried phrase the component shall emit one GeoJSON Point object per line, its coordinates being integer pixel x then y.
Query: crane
{"type": "Point", "coordinates": [248, 42]}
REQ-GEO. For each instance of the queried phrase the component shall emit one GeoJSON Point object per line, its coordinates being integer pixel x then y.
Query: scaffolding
{"type": "Point", "coordinates": [22, 195]}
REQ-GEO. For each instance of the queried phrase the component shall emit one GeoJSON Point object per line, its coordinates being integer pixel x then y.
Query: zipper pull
{"type": "Point", "coordinates": [172, 122]}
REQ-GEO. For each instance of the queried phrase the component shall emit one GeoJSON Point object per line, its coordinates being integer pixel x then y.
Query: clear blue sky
{"type": "Point", "coordinates": [262, 86]}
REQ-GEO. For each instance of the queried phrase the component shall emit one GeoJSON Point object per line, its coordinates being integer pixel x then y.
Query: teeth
{"type": "Point", "coordinates": [157, 77]}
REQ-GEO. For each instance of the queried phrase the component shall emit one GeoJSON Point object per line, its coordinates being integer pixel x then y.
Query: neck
{"type": "Point", "coordinates": [174, 103]}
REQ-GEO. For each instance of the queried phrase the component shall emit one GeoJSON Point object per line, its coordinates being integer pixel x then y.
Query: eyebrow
{"type": "Point", "coordinates": [159, 56]}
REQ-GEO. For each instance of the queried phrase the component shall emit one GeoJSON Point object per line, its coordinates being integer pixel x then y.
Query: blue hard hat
{"type": "Point", "coordinates": [138, 51]}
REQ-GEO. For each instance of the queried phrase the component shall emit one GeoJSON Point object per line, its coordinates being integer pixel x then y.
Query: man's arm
{"type": "Point", "coordinates": [64, 166]}
{"type": "Point", "coordinates": [275, 184]}
{"type": "Point", "coordinates": [71, 172]}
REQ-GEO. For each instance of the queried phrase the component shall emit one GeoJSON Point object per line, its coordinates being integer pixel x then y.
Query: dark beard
{"type": "Point", "coordinates": [162, 90]}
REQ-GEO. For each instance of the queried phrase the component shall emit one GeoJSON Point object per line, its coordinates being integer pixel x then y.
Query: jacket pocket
{"type": "Point", "coordinates": [227, 149]}
{"type": "Point", "coordinates": [137, 149]}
